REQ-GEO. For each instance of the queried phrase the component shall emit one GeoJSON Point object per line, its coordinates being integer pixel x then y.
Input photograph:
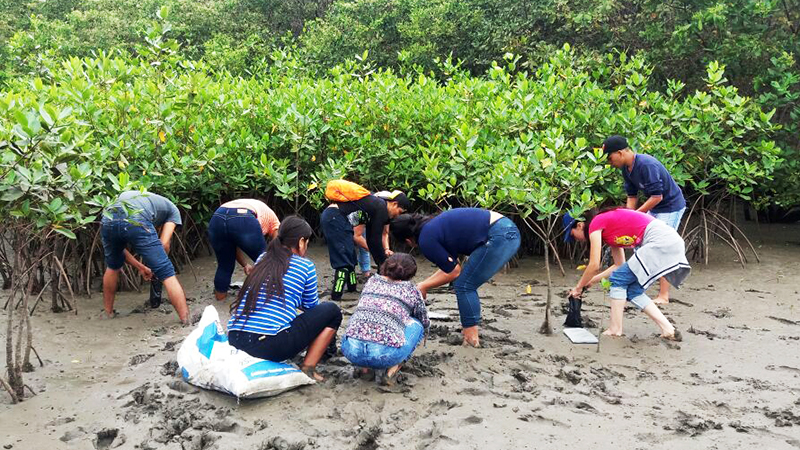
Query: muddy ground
{"type": "Point", "coordinates": [734, 382]}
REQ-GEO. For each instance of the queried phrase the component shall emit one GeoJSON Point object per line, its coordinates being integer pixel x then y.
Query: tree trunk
{"type": "Point", "coordinates": [546, 328]}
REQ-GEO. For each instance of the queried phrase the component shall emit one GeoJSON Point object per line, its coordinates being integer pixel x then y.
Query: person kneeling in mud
{"type": "Point", "coordinates": [660, 252]}
{"type": "Point", "coordinates": [389, 321]}
{"type": "Point", "coordinates": [264, 322]}
{"type": "Point", "coordinates": [487, 237]}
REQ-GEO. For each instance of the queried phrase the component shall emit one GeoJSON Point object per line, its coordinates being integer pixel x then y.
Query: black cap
{"type": "Point", "coordinates": [614, 143]}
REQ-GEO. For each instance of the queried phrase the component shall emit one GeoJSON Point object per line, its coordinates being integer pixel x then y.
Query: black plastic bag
{"type": "Point", "coordinates": [155, 293]}
{"type": "Point", "coordinates": [574, 315]}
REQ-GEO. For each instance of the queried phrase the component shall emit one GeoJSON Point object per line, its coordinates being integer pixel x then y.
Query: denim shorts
{"type": "Point", "coordinates": [378, 356]}
{"type": "Point", "coordinates": [672, 218]}
{"type": "Point", "coordinates": [625, 286]}
{"type": "Point", "coordinates": [118, 232]}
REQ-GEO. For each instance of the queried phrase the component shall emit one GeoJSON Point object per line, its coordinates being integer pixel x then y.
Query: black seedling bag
{"type": "Point", "coordinates": [574, 315]}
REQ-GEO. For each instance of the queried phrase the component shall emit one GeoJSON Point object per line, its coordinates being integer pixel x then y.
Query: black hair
{"type": "Point", "coordinates": [408, 226]}
{"type": "Point", "coordinates": [270, 269]}
{"type": "Point", "coordinates": [399, 267]}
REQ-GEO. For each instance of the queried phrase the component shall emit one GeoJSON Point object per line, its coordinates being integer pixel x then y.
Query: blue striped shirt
{"type": "Point", "coordinates": [273, 315]}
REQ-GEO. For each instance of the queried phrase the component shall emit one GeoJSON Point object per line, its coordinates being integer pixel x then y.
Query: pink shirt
{"type": "Point", "coordinates": [621, 227]}
{"type": "Point", "coordinates": [266, 217]}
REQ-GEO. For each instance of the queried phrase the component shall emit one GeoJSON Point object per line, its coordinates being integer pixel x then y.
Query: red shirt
{"type": "Point", "coordinates": [621, 227]}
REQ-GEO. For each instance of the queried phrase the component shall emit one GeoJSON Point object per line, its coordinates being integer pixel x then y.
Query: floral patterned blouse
{"type": "Point", "coordinates": [384, 309]}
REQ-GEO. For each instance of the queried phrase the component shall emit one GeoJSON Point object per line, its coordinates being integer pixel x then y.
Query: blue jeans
{"type": "Point", "coordinates": [229, 229]}
{"type": "Point", "coordinates": [377, 356]}
{"type": "Point", "coordinates": [118, 232]}
{"type": "Point", "coordinates": [625, 286]}
{"type": "Point", "coordinates": [363, 257]}
{"type": "Point", "coordinates": [483, 263]}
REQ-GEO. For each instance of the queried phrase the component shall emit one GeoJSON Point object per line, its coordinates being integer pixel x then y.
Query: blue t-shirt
{"type": "Point", "coordinates": [651, 177]}
{"type": "Point", "coordinates": [275, 314]}
{"type": "Point", "coordinates": [150, 207]}
{"type": "Point", "coordinates": [455, 232]}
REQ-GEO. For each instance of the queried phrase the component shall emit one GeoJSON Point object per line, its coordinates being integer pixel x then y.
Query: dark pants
{"type": "Point", "coordinates": [339, 236]}
{"type": "Point", "coordinates": [118, 232]}
{"type": "Point", "coordinates": [229, 229]}
{"type": "Point", "coordinates": [288, 343]}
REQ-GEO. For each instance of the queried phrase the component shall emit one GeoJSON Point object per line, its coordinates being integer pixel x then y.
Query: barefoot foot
{"type": "Point", "coordinates": [471, 336]}
{"type": "Point", "coordinates": [676, 336]}
{"type": "Point", "coordinates": [610, 332]}
{"type": "Point", "coordinates": [311, 372]}
{"type": "Point", "coordinates": [661, 300]}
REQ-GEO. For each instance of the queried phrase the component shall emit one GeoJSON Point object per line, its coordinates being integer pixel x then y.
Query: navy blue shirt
{"type": "Point", "coordinates": [651, 177]}
{"type": "Point", "coordinates": [455, 232]}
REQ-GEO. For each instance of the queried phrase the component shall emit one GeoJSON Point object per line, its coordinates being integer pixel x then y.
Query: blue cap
{"type": "Point", "coordinates": [569, 224]}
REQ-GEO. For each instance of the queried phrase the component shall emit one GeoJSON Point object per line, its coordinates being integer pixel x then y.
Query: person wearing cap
{"type": "Point", "coordinates": [646, 174]}
{"type": "Point", "coordinates": [487, 237]}
{"type": "Point", "coordinates": [659, 252]}
{"type": "Point", "coordinates": [337, 222]}
{"type": "Point", "coordinates": [237, 228]}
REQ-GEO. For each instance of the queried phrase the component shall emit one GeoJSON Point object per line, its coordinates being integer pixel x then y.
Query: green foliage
{"type": "Point", "coordinates": [515, 141]}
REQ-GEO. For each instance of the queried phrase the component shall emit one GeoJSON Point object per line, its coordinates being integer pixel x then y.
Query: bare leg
{"type": "Point", "coordinates": [315, 351]}
{"type": "Point", "coordinates": [617, 310]}
{"type": "Point", "coordinates": [220, 296]}
{"type": "Point", "coordinates": [663, 292]}
{"type": "Point", "coordinates": [177, 298]}
{"type": "Point", "coordinates": [471, 336]}
{"type": "Point", "coordinates": [667, 330]}
{"type": "Point", "coordinates": [110, 281]}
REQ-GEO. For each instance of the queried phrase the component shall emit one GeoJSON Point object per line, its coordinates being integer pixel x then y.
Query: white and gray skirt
{"type": "Point", "coordinates": [662, 253]}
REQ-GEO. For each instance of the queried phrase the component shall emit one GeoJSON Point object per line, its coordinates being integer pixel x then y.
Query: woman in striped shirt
{"type": "Point", "coordinates": [264, 322]}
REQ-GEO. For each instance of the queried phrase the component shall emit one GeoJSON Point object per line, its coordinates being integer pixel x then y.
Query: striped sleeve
{"type": "Point", "coordinates": [310, 294]}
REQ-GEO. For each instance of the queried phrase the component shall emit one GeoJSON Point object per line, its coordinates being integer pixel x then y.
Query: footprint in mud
{"type": "Point", "coordinates": [440, 407]}
{"type": "Point", "coordinates": [367, 439]}
{"type": "Point", "coordinates": [692, 425]}
{"type": "Point", "coordinates": [139, 359]}
{"type": "Point", "coordinates": [108, 438]}
{"type": "Point", "coordinates": [721, 313]}
{"type": "Point", "coordinates": [424, 365]}
{"type": "Point", "coordinates": [170, 368]}
{"type": "Point", "coordinates": [279, 443]}
{"type": "Point", "coordinates": [472, 420]}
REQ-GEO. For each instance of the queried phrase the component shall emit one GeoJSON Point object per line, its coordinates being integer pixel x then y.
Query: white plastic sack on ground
{"type": "Point", "coordinates": [208, 361]}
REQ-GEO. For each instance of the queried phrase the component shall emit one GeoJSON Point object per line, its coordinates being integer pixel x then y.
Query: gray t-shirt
{"type": "Point", "coordinates": [151, 207]}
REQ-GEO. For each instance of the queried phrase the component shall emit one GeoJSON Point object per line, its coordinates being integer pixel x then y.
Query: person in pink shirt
{"type": "Point", "coordinates": [236, 229]}
{"type": "Point", "coordinates": [659, 252]}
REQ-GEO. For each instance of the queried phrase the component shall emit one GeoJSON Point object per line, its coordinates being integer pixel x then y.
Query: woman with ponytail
{"type": "Point", "coordinates": [487, 237]}
{"type": "Point", "coordinates": [264, 322]}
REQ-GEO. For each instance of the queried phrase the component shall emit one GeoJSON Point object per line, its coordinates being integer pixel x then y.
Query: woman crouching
{"type": "Point", "coordinates": [389, 321]}
{"type": "Point", "coordinates": [264, 322]}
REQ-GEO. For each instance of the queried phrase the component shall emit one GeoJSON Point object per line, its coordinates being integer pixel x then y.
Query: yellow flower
{"type": "Point", "coordinates": [162, 136]}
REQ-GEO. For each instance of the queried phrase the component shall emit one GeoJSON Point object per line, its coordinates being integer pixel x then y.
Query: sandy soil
{"type": "Point", "coordinates": [733, 383]}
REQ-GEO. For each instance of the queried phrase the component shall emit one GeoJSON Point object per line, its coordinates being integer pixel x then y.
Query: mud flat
{"type": "Point", "coordinates": [734, 382]}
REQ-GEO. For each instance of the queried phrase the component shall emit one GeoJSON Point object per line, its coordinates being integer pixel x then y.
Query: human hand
{"type": "Point", "coordinates": [388, 252]}
{"type": "Point", "coordinates": [146, 273]}
{"type": "Point", "coordinates": [576, 293]}
{"type": "Point", "coordinates": [166, 247]}
{"type": "Point", "coordinates": [247, 269]}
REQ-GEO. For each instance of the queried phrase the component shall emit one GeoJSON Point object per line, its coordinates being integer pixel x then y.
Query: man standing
{"type": "Point", "coordinates": [133, 220]}
{"type": "Point", "coordinates": [644, 173]}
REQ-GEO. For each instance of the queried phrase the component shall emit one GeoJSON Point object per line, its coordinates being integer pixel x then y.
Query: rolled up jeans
{"type": "Point", "coordinates": [483, 263]}
{"type": "Point", "coordinates": [378, 356]}
{"type": "Point", "coordinates": [364, 263]}
{"type": "Point", "coordinates": [625, 286]}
